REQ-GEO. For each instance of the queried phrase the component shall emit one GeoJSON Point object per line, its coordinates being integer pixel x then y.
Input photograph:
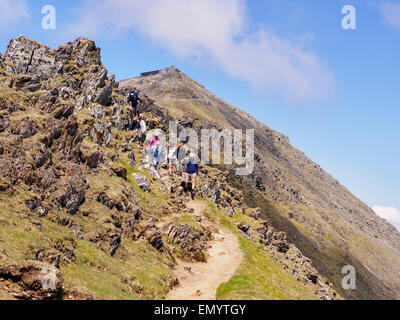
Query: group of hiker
{"type": "Point", "coordinates": [186, 166]}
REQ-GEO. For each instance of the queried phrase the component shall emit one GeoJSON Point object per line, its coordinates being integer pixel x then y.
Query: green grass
{"type": "Point", "coordinates": [258, 277]}
{"type": "Point", "coordinates": [137, 271]}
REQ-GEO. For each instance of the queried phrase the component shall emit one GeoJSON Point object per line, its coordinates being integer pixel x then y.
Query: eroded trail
{"type": "Point", "coordinates": [199, 281]}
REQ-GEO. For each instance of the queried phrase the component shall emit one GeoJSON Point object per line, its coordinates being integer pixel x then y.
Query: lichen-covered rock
{"type": "Point", "coordinates": [86, 53]}
{"type": "Point", "coordinates": [29, 57]}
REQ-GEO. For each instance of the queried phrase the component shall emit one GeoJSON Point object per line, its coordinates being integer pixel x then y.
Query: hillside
{"type": "Point", "coordinates": [295, 195]}
{"type": "Point", "coordinates": [83, 215]}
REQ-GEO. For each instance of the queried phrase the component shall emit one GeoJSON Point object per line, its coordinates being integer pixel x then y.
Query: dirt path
{"type": "Point", "coordinates": [199, 281]}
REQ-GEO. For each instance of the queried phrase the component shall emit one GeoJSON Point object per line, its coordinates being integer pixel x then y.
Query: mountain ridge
{"type": "Point", "coordinates": [78, 194]}
{"type": "Point", "coordinates": [303, 179]}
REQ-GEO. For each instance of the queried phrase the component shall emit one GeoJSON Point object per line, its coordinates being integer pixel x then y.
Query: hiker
{"type": "Point", "coordinates": [142, 125]}
{"type": "Point", "coordinates": [134, 99]}
{"type": "Point", "coordinates": [171, 158]}
{"type": "Point", "coordinates": [157, 154]}
{"type": "Point", "coordinates": [192, 170]}
{"type": "Point", "coordinates": [153, 141]}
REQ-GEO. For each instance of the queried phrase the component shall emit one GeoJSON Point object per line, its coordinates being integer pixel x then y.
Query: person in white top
{"type": "Point", "coordinates": [143, 128]}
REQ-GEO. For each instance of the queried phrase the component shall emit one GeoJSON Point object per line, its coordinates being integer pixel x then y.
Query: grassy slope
{"type": "Point", "coordinates": [259, 277]}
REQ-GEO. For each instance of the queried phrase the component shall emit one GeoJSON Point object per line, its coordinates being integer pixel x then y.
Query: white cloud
{"type": "Point", "coordinates": [12, 11]}
{"type": "Point", "coordinates": [391, 214]}
{"type": "Point", "coordinates": [391, 13]}
{"type": "Point", "coordinates": [215, 31]}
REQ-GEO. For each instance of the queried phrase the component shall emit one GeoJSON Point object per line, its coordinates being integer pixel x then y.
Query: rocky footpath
{"type": "Point", "coordinates": [79, 195]}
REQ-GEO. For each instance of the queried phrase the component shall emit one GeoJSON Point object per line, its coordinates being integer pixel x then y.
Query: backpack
{"type": "Point", "coordinates": [156, 152]}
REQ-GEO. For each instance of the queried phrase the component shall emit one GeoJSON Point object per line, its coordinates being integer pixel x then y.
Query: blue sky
{"type": "Point", "coordinates": [333, 92]}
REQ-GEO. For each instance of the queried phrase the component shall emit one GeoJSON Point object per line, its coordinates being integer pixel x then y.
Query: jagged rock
{"type": "Point", "coordinates": [147, 231]}
{"type": "Point", "coordinates": [72, 198]}
{"type": "Point", "coordinates": [97, 113]}
{"type": "Point", "coordinates": [26, 128]}
{"type": "Point", "coordinates": [4, 122]}
{"type": "Point", "coordinates": [129, 224]}
{"type": "Point", "coordinates": [142, 181]}
{"type": "Point", "coordinates": [115, 243]}
{"type": "Point", "coordinates": [27, 83]}
{"type": "Point", "coordinates": [104, 96]}
{"type": "Point", "coordinates": [101, 133]}
{"type": "Point", "coordinates": [72, 195]}
{"type": "Point", "coordinates": [255, 215]}
{"type": "Point", "coordinates": [153, 172]}
{"type": "Point", "coordinates": [71, 139]}
{"type": "Point", "coordinates": [229, 211]}
{"type": "Point", "coordinates": [63, 53]}
{"type": "Point", "coordinates": [43, 158]}
{"type": "Point", "coordinates": [281, 245]}
{"type": "Point", "coordinates": [93, 159]}
{"type": "Point", "coordinates": [64, 112]}
{"type": "Point", "coordinates": [29, 57]}
{"type": "Point", "coordinates": [86, 53]}
{"type": "Point", "coordinates": [192, 242]}
{"type": "Point", "coordinates": [211, 192]}
{"type": "Point", "coordinates": [244, 227]}
{"type": "Point", "coordinates": [95, 80]}
{"type": "Point", "coordinates": [1, 60]}
{"type": "Point", "coordinates": [131, 158]}
{"type": "Point", "coordinates": [120, 171]}
{"type": "Point", "coordinates": [34, 205]}
{"type": "Point", "coordinates": [262, 231]}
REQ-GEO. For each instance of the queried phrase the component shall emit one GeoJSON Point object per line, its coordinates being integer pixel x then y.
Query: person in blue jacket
{"type": "Point", "coordinates": [192, 170]}
{"type": "Point", "coordinates": [134, 99]}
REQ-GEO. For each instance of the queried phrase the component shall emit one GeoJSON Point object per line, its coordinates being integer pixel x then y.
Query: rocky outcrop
{"type": "Point", "coordinates": [192, 242]}
{"type": "Point", "coordinates": [28, 56]}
